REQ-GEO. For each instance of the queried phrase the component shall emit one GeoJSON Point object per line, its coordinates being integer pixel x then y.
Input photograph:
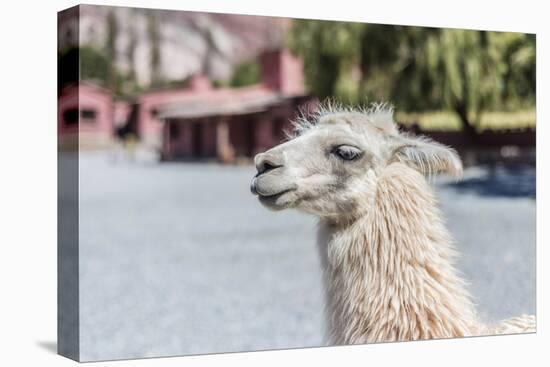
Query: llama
{"type": "Point", "coordinates": [387, 257]}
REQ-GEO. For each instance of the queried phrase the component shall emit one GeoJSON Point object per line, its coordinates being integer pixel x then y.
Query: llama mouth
{"type": "Point", "coordinates": [274, 201]}
{"type": "Point", "coordinates": [272, 191]}
{"type": "Point", "coordinates": [266, 197]}
{"type": "Point", "coordinates": [253, 188]}
{"type": "Point", "coordinates": [273, 196]}
{"type": "Point", "coordinates": [266, 186]}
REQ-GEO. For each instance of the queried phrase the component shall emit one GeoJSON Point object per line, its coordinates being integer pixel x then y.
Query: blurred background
{"type": "Point", "coordinates": [164, 111]}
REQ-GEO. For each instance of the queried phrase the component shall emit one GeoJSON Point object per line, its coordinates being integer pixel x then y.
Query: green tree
{"type": "Point", "coordinates": [329, 50]}
{"type": "Point", "coordinates": [245, 73]}
{"type": "Point", "coordinates": [520, 69]}
{"type": "Point", "coordinates": [84, 63]}
{"type": "Point", "coordinates": [418, 68]}
{"type": "Point", "coordinates": [94, 65]}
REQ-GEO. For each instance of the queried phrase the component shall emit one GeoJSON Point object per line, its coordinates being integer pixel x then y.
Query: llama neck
{"type": "Point", "coordinates": [389, 274]}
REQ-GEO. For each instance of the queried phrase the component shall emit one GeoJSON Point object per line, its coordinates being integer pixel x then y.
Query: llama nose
{"type": "Point", "coordinates": [266, 162]}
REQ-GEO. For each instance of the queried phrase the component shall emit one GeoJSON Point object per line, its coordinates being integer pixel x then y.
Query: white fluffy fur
{"type": "Point", "coordinates": [389, 275]}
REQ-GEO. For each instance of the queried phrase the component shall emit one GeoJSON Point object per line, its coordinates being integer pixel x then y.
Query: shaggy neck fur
{"type": "Point", "coordinates": [389, 273]}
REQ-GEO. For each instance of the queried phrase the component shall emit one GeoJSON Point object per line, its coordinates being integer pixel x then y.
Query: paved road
{"type": "Point", "coordinates": [181, 259]}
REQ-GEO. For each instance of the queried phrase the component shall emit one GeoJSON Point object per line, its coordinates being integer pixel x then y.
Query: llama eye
{"type": "Point", "coordinates": [347, 152]}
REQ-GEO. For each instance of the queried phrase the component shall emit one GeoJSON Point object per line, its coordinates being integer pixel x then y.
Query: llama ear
{"type": "Point", "coordinates": [426, 155]}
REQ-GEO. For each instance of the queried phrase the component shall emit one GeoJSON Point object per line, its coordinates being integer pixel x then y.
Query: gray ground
{"type": "Point", "coordinates": [180, 258]}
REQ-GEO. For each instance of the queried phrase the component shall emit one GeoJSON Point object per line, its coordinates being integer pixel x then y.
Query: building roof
{"type": "Point", "coordinates": [84, 86]}
{"type": "Point", "coordinates": [224, 101]}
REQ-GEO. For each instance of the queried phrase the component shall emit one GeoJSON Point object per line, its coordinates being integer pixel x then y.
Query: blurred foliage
{"type": "Point", "coordinates": [125, 84]}
{"type": "Point", "coordinates": [91, 64]}
{"type": "Point", "coordinates": [218, 83]}
{"type": "Point", "coordinates": [178, 83]}
{"type": "Point", "coordinates": [86, 63]}
{"type": "Point", "coordinates": [418, 68]}
{"type": "Point", "coordinates": [245, 73]}
{"type": "Point", "coordinates": [329, 51]}
{"type": "Point", "coordinates": [449, 121]}
{"type": "Point", "coordinates": [94, 65]}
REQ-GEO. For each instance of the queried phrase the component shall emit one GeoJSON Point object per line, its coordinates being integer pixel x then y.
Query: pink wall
{"type": "Point", "coordinates": [88, 104]}
{"type": "Point", "coordinates": [150, 127]}
{"type": "Point", "coordinates": [283, 72]}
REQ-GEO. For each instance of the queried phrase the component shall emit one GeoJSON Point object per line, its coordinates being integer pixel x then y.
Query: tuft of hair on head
{"type": "Point", "coordinates": [427, 156]}
{"type": "Point", "coordinates": [379, 114]}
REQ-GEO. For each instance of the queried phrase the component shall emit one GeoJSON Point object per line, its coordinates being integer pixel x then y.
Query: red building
{"type": "Point", "coordinates": [85, 115]}
{"type": "Point", "coordinates": [196, 122]}
{"type": "Point", "coordinates": [228, 123]}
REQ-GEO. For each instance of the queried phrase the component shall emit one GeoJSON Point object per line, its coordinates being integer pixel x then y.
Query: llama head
{"type": "Point", "coordinates": [331, 163]}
